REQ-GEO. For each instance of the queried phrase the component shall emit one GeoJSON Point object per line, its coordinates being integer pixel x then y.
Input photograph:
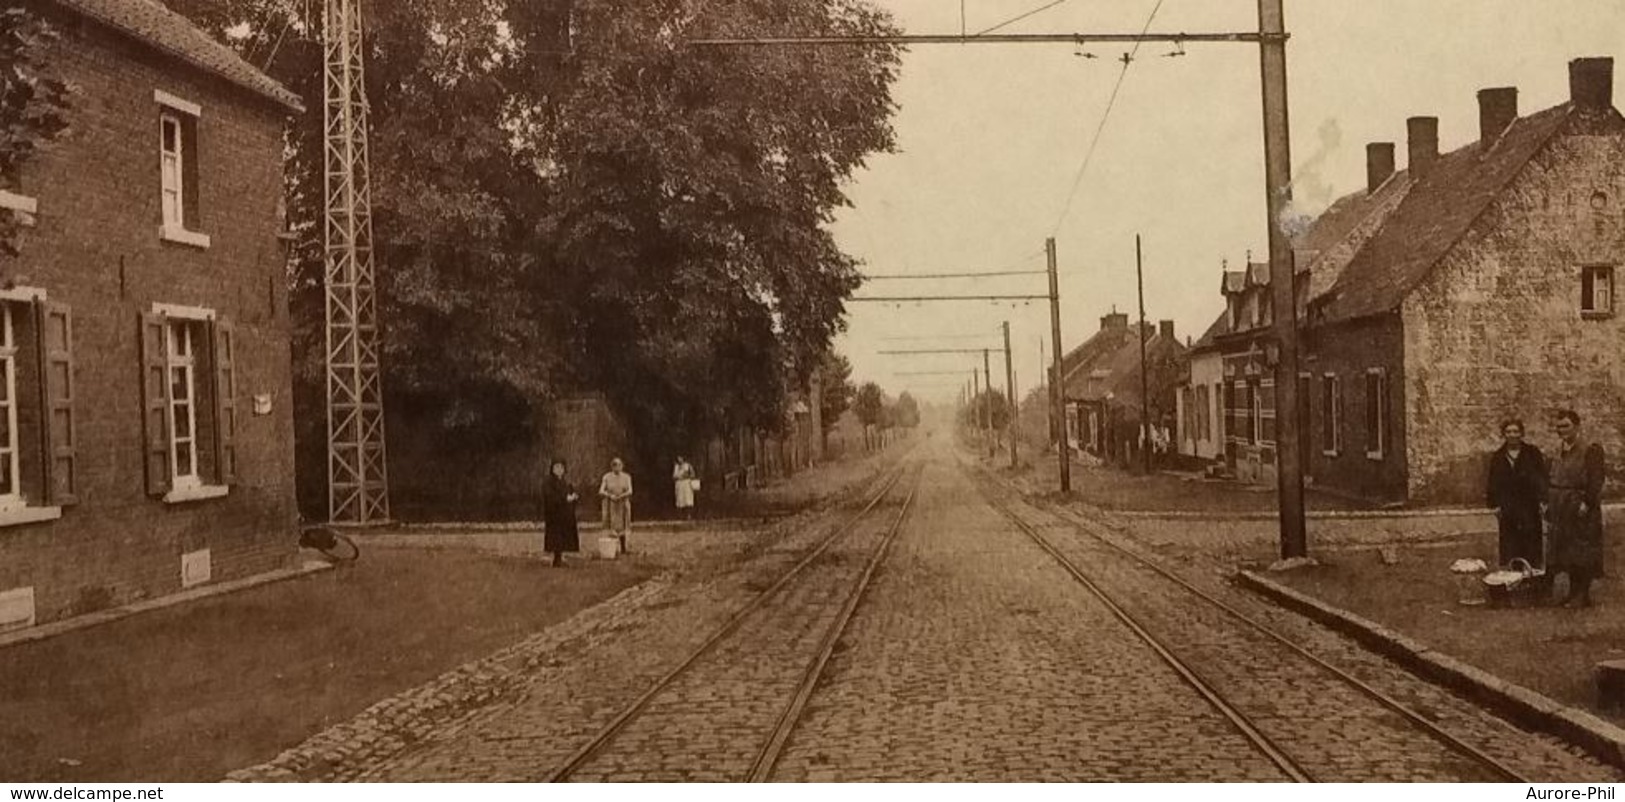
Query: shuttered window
{"type": "Point", "coordinates": [1376, 413]}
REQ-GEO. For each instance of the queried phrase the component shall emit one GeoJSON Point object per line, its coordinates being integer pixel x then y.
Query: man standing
{"type": "Point", "coordinates": [1575, 509]}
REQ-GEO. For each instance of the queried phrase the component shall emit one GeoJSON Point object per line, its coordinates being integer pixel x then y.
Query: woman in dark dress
{"type": "Point", "coordinates": [559, 514]}
{"type": "Point", "coordinates": [1517, 486]}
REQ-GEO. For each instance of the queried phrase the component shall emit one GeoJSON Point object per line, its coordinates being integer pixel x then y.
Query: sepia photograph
{"type": "Point", "coordinates": [811, 391]}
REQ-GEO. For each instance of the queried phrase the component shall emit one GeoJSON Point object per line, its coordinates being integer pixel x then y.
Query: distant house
{"type": "Point", "coordinates": [1085, 375]}
{"type": "Point", "coordinates": [1476, 285]}
{"type": "Point", "coordinates": [1201, 409]}
{"type": "Point", "coordinates": [146, 436]}
{"type": "Point", "coordinates": [1103, 389]}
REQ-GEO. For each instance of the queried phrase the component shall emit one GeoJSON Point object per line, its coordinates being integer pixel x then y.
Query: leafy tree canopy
{"type": "Point", "coordinates": [569, 197]}
{"type": "Point", "coordinates": [33, 103]}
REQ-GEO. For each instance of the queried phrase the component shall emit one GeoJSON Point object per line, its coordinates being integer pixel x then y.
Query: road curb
{"type": "Point", "coordinates": [108, 616]}
{"type": "Point", "coordinates": [1530, 709]}
{"type": "Point", "coordinates": [1327, 515]}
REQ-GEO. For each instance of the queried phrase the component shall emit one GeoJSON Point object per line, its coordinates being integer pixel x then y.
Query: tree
{"type": "Point", "coordinates": [568, 197]}
{"type": "Point", "coordinates": [33, 104]}
{"type": "Point", "coordinates": [908, 411]}
{"type": "Point", "coordinates": [870, 407]}
{"type": "Point", "coordinates": [975, 415]}
{"type": "Point", "coordinates": [835, 373]}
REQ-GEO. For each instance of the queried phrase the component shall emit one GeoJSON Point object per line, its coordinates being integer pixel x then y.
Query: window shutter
{"type": "Point", "coordinates": [225, 401]}
{"type": "Point", "coordinates": [54, 325]}
{"type": "Point", "coordinates": [155, 403]}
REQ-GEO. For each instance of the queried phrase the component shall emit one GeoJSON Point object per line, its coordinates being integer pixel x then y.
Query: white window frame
{"type": "Point", "coordinates": [9, 445]}
{"type": "Point", "coordinates": [14, 508]}
{"type": "Point", "coordinates": [1381, 413]}
{"type": "Point", "coordinates": [1332, 397]}
{"type": "Point", "coordinates": [171, 112]}
{"type": "Point", "coordinates": [1259, 415]}
{"type": "Point", "coordinates": [1588, 301]}
{"type": "Point", "coordinates": [186, 362]}
{"type": "Point", "coordinates": [199, 318]}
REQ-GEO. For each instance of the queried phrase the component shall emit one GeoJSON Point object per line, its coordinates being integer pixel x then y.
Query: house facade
{"type": "Point", "coordinates": [1104, 387]}
{"type": "Point", "coordinates": [144, 331]}
{"type": "Point", "coordinates": [1477, 285]}
{"type": "Point", "coordinates": [1201, 400]}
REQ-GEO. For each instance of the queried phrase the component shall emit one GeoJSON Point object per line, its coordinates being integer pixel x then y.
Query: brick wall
{"type": "Point", "coordinates": [1349, 351]}
{"type": "Point", "coordinates": [1496, 330]}
{"type": "Point", "coordinates": [95, 247]}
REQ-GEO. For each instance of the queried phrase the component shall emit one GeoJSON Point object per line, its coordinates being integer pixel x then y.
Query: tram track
{"type": "Point", "coordinates": [1291, 766]}
{"type": "Point", "coordinates": [787, 708]}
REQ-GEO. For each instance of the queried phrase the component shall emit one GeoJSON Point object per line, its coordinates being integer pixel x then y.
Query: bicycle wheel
{"type": "Point", "coordinates": [343, 550]}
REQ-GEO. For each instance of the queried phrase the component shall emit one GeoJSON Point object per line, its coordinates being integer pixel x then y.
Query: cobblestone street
{"type": "Point", "coordinates": [973, 655]}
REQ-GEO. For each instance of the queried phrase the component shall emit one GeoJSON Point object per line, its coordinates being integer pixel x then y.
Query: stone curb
{"type": "Point", "coordinates": [1323, 515]}
{"type": "Point", "coordinates": [1601, 739]}
{"type": "Point", "coordinates": [51, 630]}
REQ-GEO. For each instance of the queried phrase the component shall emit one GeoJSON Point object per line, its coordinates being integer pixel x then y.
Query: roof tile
{"type": "Point", "coordinates": [157, 26]}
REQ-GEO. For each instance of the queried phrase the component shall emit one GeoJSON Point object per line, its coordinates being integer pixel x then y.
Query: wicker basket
{"type": "Point", "coordinates": [1518, 585]}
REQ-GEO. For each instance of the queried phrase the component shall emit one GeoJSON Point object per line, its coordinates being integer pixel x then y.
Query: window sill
{"type": "Point", "coordinates": [181, 495]}
{"type": "Point", "coordinates": [1331, 454]}
{"type": "Point", "coordinates": [181, 236]}
{"type": "Point", "coordinates": [17, 516]}
{"type": "Point", "coordinates": [1374, 456]}
{"type": "Point", "coordinates": [18, 203]}
{"type": "Point", "coordinates": [1598, 315]}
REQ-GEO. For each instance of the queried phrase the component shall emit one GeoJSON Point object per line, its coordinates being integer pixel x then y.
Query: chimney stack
{"type": "Point", "coordinates": [1591, 83]}
{"type": "Point", "coordinates": [1497, 109]}
{"type": "Point", "coordinates": [1165, 329]}
{"type": "Point", "coordinates": [1115, 320]}
{"type": "Point", "coordinates": [1423, 144]}
{"type": "Point", "coordinates": [1379, 164]}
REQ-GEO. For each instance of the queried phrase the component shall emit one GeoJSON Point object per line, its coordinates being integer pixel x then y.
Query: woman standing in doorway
{"type": "Point", "coordinates": [684, 478]}
{"type": "Point", "coordinates": [616, 491]}
{"type": "Point", "coordinates": [559, 514]}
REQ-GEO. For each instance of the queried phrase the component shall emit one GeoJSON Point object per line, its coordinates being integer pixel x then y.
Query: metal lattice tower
{"type": "Point", "coordinates": [358, 486]}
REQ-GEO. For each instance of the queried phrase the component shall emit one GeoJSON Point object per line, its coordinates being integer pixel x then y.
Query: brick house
{"type": "Point", "coordinates": [144, 335]}
{"type": "Point", "coordinates": [1103, 388]}
{"type": "Point", "coordinates": [1085, 370]}
{"type": "Point", "coordinates": [1476, 285]}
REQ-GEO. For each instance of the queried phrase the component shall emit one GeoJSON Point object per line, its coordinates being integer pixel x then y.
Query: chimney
{"type": "Point", "coordinates": [1497, 109]}
{"type": "Point", "coordinates": [1379, 164]}
{"type": "Point", "coordinates": [1165, 329]}
{"type": "Point", "coordinates": [1591, 83]}
{"type": "Point", "coordinates": [1115, 320]}
{"type": "Point", "coordinates": [1423, 145]}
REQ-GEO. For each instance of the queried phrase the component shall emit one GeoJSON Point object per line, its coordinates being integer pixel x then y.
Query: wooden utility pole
{"type": "Point", "coordinates": [975, 400]}
{"type": "Point", "coordinates": [1056, 392]}
{"type": "Point", "coordinates": [1010, 390]}
{"type": "Point", "coordinates": [987, 377]}
{"type": "Point", "coordinates": [1283, 277]}
{"type": "Point", "coordinates": [1145, 374]}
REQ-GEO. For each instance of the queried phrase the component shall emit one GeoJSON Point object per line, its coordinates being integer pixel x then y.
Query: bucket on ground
{"type": "Point", "coordinates": [609, 547]}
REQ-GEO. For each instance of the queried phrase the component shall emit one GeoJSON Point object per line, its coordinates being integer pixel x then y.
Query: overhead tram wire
{"type": "Point", "coordinates": [908, 276]}
{"type": "Point", "coordinates": [1019, 17]}
{"type": "Point", "coordinates": [1100, 128]}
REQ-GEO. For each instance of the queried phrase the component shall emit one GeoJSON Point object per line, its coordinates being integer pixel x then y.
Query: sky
{"type": "Point", "coordinates": [991, 139]}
